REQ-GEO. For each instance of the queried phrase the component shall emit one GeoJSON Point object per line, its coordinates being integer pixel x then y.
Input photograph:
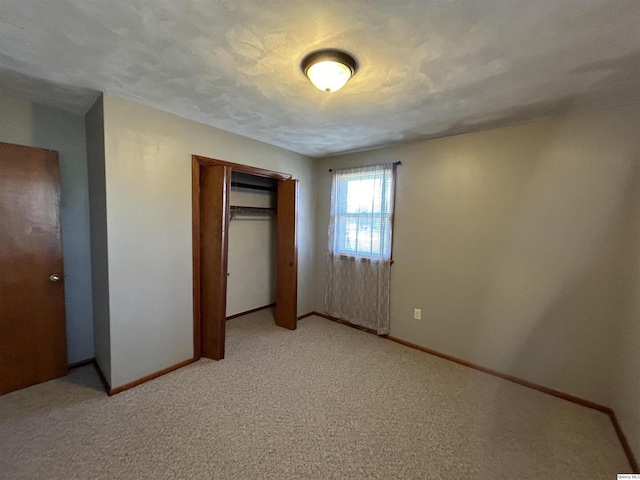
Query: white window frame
{"type": "Point", "coordinates": [340, 240]}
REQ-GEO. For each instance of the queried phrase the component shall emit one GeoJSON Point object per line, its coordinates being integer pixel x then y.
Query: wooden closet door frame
{"type": "Point", "coordinates": [199, 321]}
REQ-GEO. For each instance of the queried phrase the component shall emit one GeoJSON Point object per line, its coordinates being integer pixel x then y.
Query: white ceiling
{"type": "Point", "coordinates": [428, 68]}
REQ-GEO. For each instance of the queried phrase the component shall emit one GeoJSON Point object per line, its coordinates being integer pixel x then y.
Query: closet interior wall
{"type": "Point", "coordinates": [251, 281]}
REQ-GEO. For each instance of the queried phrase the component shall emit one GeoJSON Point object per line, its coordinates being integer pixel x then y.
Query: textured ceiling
{"type": "Point", "coordinates": [427, 68]}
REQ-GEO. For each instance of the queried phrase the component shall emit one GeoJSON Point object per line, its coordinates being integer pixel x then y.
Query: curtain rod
{"type": "Point", "coordinates": [394, 163]}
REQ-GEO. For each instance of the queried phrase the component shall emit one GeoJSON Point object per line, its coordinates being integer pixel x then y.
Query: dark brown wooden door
{"type": "Point", "coordinates": [287, 256]}
{"type": "Point", "coordinates": [33, 342]}
{"type": "Point", "coordinates": [215, 186]}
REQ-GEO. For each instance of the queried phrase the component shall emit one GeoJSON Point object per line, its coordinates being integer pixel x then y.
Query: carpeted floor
{"type": "Point", "coordinates": [323, 402]}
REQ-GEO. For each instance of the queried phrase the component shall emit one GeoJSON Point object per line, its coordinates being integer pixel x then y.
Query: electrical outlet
{"type": "Point", "coordinates": [417, 314]}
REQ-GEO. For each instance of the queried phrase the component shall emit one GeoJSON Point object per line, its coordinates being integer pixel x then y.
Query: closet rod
{"type": "Point", "coordinates": [243, 208]}
{"type": "Point", "coordinates": [240, 210]}
{"type": "Point", "coordinates": [398, 163]}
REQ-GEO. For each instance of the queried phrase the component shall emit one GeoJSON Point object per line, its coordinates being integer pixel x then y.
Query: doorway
{"type": "Point", "coordinates": [251, 257]}
{"type": "Point", "coordinates": [211, 184]}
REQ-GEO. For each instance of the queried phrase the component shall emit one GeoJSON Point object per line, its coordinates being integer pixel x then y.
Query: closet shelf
{"type": "Point", "coordinates": [253, 187]}
{"type": "Point", "coordinates": [244, 210]}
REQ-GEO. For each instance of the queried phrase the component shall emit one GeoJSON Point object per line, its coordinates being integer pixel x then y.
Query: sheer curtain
{"type": "Point", "coordinates": [358, 267]}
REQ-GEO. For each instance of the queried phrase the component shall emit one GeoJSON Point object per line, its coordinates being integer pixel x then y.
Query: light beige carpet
{"type": "Point", "coordinates": [322, 402]}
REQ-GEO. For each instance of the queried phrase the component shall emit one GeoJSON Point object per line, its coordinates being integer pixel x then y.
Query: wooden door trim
{"type": "Point", "coordinates": [195, 232]}
{"type": "Point", "coordinates": [237, 167]}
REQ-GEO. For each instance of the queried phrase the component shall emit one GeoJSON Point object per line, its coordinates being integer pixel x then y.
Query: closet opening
{"type": "Point", "coordinates": [240, 211]}
{"type": "Point", "coordinates": [251, 259]}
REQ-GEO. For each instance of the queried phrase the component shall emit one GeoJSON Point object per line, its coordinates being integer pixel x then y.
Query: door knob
{"type": "Point", "coordinates": [54, 278]}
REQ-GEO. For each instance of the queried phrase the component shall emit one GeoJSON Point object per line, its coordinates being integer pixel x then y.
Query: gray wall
{"type": "Point", "coordinates": [520, 245]}
{"type": "Point", "coordinates": [35, 125]}
{"type": "Point", "coordinates": [148, 209]}
{"type": "Point", "coordinates": [94, 123]}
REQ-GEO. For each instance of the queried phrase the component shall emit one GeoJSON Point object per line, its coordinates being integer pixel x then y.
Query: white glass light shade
{"type": "Point", "coordinates": [329, 75]}
{"type": "Point", "coordinates": [329, 69]}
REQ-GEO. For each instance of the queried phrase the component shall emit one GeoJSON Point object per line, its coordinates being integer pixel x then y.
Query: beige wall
{"type": "Point", "coordinates": [148, 192]}
{"type": "Point", "coordinates": [35, 125]}
{"type": "Point", "coordinates": [625, 362]}
{"type": "Point", "coordinates": [520, 246]}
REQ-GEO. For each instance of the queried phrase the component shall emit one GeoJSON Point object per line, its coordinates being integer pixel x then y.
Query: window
{"type": "Point", "coordinates": [362, 212]}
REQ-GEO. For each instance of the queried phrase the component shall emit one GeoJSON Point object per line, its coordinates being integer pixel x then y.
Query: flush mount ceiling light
{"type": "Point", "coordinates": [329, 70]}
